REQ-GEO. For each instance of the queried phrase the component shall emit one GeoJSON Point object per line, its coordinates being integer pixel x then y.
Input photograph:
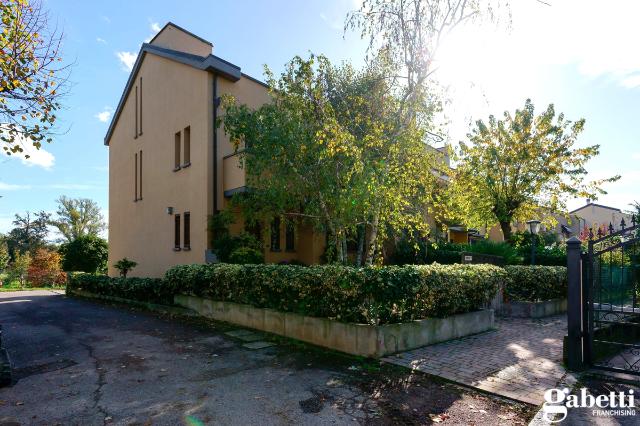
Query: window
{"type": "Point", "coordinates": [140, 106]}
{"type": "Point", "coordinates": [176, 232]}
{"type": "Point", "coordinates": [176, 161]}
{"type": "Point", "coordinates": [187, 231]}
{"type": "Point", "coordinates": [135, 174]}
{"type": "Point", "coordinates": [187, 147]}
{"type": "Point", "coordinates": [135, 133]}
{"type": "Point", "coordinates": [289, 237]}
{"type": "Point", "coordinates": [140, 179]}
{"type": "Point", "coordinates": [275, 234]}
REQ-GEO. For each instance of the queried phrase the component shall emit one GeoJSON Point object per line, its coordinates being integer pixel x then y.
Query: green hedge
{"type": "Point", "coordinates": [379, 295]}
{"type": "Point", "coordinates": [153, 290]}
{"type": "Point", "coordinates": [536, 283]}
{"type": "Point", "coordinates": [362, 295]}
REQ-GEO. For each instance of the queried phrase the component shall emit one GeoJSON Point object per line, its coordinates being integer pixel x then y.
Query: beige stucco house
{"type": "Point", "coordinates": [593, 215]}
{"type": "Point", "coordinates": [170, 168]}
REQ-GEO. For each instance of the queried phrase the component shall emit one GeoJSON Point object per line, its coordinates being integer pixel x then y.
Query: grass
{"type": "Point", "coordinates": [6, 289]}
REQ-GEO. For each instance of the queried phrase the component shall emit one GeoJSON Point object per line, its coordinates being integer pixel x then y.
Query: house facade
{"type": "Point", "coordinates": [171, 168]}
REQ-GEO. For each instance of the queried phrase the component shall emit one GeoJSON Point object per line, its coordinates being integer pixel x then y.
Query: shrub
{"type": "Point", "coordinates": [226, 245]}
{"type": "Point", "coordinates": [536, 283]}
{"type": "Point", "coordinates": [154, 290]}
{"type": "Point", "coordinates": [246, 255]}
{"type": "Point", "coordinates": [504, 250]}
{"type": "Point", "coordinates": [19, 268]}
{"type": "Point", "coordinates": [86, 254]}
{"type": "Point", "coordinates": [363, 295]}
{"type": "Point", "coordinates": [44, 269]}
{"type": "Point", "coordinates": [124, 266]}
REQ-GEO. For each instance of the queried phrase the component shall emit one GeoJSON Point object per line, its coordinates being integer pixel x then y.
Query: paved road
{"type": "Point", "coordinates": [85, 363]}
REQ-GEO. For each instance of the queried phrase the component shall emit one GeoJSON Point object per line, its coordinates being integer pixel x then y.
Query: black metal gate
{"type": "Point", "coordinates": [610, 294]}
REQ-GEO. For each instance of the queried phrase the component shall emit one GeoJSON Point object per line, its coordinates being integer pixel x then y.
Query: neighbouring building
{"type": "Point", "coordinates": [170, 168]}
{"type": "Point", "coordinates": [594, 216]}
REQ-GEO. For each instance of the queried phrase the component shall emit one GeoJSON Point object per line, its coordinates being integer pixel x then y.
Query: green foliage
{"type": "Point", "coordinates": [4, 254]}
{"type": "Point", "coordinates": [494, 248]}
{"type": "Point", "coordinates": [375, 295]}
{"type": "Point", "coordinates": [536, 283]}
{"type": "Point", "coordinates": [549, 252]}
{"type": "Point", "coordinates": [19, 268]}
{"type": "Point", "coordinates": [153, 290]}
{"type": "Point", "coordinates": [29, 233]}
{"type": "Point", "coordinates": [246, 255]}
{"type": "Point", "coordinates": [88, 253]}
{"type": "Point", "coordinates": [241, 244]}
{"type": "Point", "coordinates": [78, 217]}
{"type": "Point", "coordinates": [330, 149]}
{"type": "Point", "coordinates": [517, 166]}
{"type": "Point", "coordinates": [124, 266]}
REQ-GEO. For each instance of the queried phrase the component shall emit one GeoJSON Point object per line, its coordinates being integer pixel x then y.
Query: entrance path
{"type": "Point", "coordinates": [519, 360]}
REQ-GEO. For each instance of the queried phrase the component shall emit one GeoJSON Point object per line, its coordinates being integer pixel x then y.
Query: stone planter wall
{"type": "Point", "coordinates": [534, 309]}
{"type": "Point", "coordinates": [357, 339]}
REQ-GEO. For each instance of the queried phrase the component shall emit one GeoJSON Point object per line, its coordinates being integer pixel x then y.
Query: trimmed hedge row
{"type": "Point", "coordinates": [536, 283]}
{"type": "Point", "coordinates": [361, 295]}
{"type": "Point", "coordinates": [377, 295]}
{"type": "Point", "coordinates": [153, 290]}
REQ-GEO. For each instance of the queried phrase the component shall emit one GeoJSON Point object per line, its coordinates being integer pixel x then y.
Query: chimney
{"type": "Point", "coordinates": [588, 200]}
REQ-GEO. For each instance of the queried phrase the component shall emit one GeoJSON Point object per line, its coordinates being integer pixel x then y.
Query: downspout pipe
{"type": "Point", "coordinates": [216, 103]}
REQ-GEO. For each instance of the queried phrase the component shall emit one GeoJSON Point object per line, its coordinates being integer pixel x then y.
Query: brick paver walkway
{"type": "Point", "coordinates": [519, 360]}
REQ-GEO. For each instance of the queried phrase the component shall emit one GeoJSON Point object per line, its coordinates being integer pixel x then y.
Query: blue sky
{"type": "Point", "coordinates": [584, 59]}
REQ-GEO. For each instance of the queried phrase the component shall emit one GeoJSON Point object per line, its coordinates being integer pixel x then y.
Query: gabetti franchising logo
{"type": "Point", "coordinates": [558, 401]}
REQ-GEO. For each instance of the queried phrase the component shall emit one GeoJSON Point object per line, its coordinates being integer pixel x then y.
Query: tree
{"type": "Point", "coordinates": [19, 268]}
{"type": "Point", "coordinates": [408, 33]}
{"type": "Point", "coordinates": [78, 217]}
{"type": "Point", "coordinates": [4, 254]}
{"type": "Point", "coordinates": [125, 265]}
{"type": "Point", "coordinates": [327, 151]}
{"type": "Point", "coordinates": [31, 77]}
{"type": "Point", "coordinates": [29, 234]}
{"type": "Point", "coordinates": [44, 269]}
{"type": "Point", "coordinates": [516, 168]}
{"type": "Point", "coordinates": [87, 254]}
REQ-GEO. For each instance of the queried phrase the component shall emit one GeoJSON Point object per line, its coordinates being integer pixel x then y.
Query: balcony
{"type": "Point", "coordinates": [233, 180]}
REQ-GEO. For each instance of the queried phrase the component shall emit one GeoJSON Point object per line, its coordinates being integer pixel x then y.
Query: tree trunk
{"type": "Point", "coordinates": [373, 237]}
{"type": "Point", "coordinates": [361, 231]}
{"type": "Point", "coordinates": [506, 230]}
{"type": "Point", "coordinates": [345, 253]}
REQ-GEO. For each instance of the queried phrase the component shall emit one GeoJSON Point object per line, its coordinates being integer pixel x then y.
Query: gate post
{"type": "Point", "coordinates": [574, 306]}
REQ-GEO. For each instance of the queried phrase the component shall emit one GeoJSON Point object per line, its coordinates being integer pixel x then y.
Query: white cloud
{"type": "Point", "coordinates": [12, 187]}
{"type": "Point", "coordinates": [127, 59]}
{"type": "Point", "coordinates": [101, 40]}
{"type": "Point", "coordinates": [106, 19]}
{"type": "Point", "coordinates": [155, 27]}
{"type": "Point", "coordinates": [32, 156]}
{"type": "Point", "coordinates": [105, 114]}
{"type": "Point", "coordinates": [635, 156]}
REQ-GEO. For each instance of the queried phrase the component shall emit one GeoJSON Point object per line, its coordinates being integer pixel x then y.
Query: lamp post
{"type": "Point", "coordinates": [534, 228]}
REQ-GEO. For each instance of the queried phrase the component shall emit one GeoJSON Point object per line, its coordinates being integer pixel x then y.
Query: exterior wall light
{"type": "Point", "coordinates": [169, 210]}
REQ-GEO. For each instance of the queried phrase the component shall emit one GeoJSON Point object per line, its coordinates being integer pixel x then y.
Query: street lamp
{"type": "Point", "coordinates": [534, 228]}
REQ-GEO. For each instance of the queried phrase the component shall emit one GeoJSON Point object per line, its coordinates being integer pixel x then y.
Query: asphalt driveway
{"type": "Point", "coordinates": [86, 363]}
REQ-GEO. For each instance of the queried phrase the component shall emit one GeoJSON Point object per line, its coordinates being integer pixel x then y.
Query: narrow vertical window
{"type": "Point", "coordinates": [140, 106]}
{"type": "Point", "coordinates": [135, 134]}
{"type": "Point", "coordinates": [135, 174]}
{"type": "Point", "coordinates": [140, 179]}
{"type": "Point", "coordinates": [187, 146]}
{"type": "Point", "coordinates": [176, 232]}
{"type": "Point", "coordinates": [176, 160]}
{"type": "Point", "coordinates": [289, 238]}
{"type": "Point", "coordinates": [275, 234]}
{"type": "Point", "coordinates": [187, 231]}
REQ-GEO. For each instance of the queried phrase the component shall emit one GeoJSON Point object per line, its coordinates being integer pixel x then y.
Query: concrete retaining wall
{"type": "Point", "coordinates": [357, 339]}
{"type": "Point", "coordinates": [534, 309]}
